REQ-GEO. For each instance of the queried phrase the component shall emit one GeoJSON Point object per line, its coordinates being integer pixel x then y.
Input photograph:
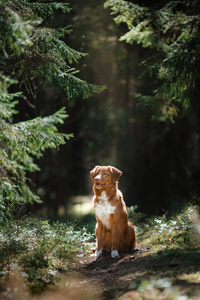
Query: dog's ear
{"type": "Point", "coordinates": [93, 172]}
{"type": "Point", "coordinates": [115, 174]}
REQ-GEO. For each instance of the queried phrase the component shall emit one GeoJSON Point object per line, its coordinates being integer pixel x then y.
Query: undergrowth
{"type": "Point", "coordinates": [39, 250]}
{"type": "Point", "coordinates": [181, 229]}
{"type": "Point", "coordinates": [173, 256]}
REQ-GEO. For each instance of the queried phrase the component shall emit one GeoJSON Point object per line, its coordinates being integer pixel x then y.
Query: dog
{"type": "Point", "coordinates": [114, 233]}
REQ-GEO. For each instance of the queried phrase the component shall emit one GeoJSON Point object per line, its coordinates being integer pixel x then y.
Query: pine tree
{"type": "Point", "coordinates": [29, 50]}
{"type": "Point", "coordinates": [172, 29]}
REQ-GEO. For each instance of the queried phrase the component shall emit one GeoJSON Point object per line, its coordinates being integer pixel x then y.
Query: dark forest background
{"type": "Point", "coordinates": [160, 161]}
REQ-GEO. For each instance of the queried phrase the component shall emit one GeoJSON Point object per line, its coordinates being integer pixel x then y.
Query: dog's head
{"type": "Point", "coordinates": [104, 176]}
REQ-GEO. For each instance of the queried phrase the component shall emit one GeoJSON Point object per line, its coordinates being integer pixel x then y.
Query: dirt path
{"type": "Point", "coordinates": [112, 276]}
{"type": "Point", "coordinates": [164, 275]}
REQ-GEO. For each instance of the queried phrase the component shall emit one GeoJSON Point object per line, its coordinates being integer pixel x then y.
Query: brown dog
{"type": "Point", "coordinates": [114, 232]}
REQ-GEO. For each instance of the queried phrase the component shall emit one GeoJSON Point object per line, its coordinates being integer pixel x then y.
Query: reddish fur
{"type": "Point", "coordinates": [121, 234]}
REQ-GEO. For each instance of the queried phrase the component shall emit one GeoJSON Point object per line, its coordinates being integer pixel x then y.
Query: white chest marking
{"type": "Point", "coordinates": [103, 210]}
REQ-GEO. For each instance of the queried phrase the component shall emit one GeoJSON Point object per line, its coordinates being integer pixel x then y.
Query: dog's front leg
{"type": "Point", "coordinates": [100, 233]}
{"type": "Point", "coordinates": [114, 244]}
{"type": "Point", "coordinates": [115, 238]}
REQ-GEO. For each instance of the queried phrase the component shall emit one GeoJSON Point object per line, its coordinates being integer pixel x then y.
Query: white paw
{"type": "Point", "coordinates": [98, 253]}
{"type": "Point", "coordinates": [114, 254]}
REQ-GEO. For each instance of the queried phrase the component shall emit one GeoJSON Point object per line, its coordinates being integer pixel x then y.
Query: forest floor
{"type": "Point", "coordinates": [43, 260]}
{"type": "Point", "coordinates": [145, 274]}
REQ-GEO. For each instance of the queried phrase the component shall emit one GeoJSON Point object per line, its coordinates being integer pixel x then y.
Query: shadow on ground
{"type": "Point", "coordinates": [117, 276]}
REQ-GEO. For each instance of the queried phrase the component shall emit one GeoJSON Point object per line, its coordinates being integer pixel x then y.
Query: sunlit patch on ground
{"type": "Point", "coordinates": [191, 278]}
{"type": "Point", "coordinates": [80, 205]}
{"type": "Point", "coordinates": [72, 288]}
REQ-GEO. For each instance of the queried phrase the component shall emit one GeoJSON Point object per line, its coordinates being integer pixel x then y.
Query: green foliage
{"type": "Point", "coordinates": [173, 30]}
{"type": "Point", "coordinates": [47, 11]}
{"type": "Point", "coordinates": [172, 258]}
{"type": "Point", "coordinates": [39, 51]}
{"type": "Point", "coordinates": [30, 50]}
{"type": "Point", "coordinates": [39, 249]}
{"type": "Point", "coordinates": [20, 143]}
{"type": "Point", "coordinates": [167, 233]}
{"type": "Point", "coordinates": [163, 110]}
{"type": "Point", "coordinates": [7, 104]}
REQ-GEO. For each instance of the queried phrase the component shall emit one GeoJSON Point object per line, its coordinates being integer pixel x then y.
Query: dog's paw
{"type": "Point", "coordinates": [135, 249]}
{"type": "Point", "coordinates": [114, 254]}
{"type": "Point", "coordinates": [97, 254]}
